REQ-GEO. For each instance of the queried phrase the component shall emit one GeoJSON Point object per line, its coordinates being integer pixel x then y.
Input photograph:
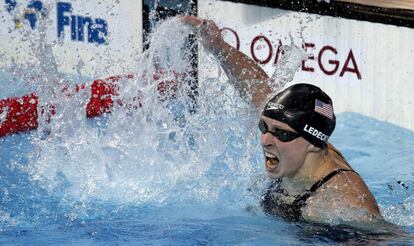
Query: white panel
{"type": "Point", "coordinates": [124, 39]}
{"type": "Point", "coordinates": [383, 55]}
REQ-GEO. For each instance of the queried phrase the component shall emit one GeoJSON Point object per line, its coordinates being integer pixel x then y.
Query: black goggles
{"type": "Point", "coordinates": [282, 135]}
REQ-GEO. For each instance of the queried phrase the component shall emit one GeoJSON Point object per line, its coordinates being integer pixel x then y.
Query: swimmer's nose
{"type": "Point", "coordinates": [266, 139]}
{"type": "Point", "coordinates": [266, 136]}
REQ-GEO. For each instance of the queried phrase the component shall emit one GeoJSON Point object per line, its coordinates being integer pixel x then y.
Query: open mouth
{"type": "Point", "coordinates": [271, 162]}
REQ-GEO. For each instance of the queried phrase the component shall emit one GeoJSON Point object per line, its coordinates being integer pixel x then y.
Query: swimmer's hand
{"type": "Point", "coordinates": [240, 69]}
{"type": "Point", "coordinates": [209, 33]}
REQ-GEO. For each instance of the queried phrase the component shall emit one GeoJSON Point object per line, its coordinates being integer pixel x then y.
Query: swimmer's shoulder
{"type": "Point", "coordinates": [354, 190]}
{"type": "Point", "coordinates": [345, 196]}
{"type": "Point", "coordinates": [336, 158]}
{"type": "Point", "coordinates": [349, 183]}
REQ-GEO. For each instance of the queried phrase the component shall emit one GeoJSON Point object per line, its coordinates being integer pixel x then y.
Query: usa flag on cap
{"type": "Point", "coordinates": [324, 109]}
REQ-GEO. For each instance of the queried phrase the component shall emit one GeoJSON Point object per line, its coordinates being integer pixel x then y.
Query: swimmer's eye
{"type": "Point", "coordinates": [282, 135]}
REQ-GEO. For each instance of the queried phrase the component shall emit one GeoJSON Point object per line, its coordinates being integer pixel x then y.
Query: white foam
{"type": "Point", "coordinates": [158, 153]}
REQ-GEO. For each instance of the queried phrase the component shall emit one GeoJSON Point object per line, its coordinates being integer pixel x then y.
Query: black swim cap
{"type": "Point", "coordinates": [305, 108]}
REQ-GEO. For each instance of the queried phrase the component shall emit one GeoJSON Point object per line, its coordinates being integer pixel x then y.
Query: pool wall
{"type": "Point", "coordinates": [365, 67]}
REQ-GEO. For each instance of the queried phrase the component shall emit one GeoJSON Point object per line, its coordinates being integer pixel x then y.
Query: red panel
{"type": "Point", "coordinates": [101, 97]}
{"type": "Point", "coordinates": [21, 114]}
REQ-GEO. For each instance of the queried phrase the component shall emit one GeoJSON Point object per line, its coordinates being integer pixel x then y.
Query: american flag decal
{"type": "Point", "coordinates": [324, 109]}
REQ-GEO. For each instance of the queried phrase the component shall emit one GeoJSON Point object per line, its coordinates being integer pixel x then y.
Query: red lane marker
{"type": "Point", "coordinates": [101, 97]}
{"type": "Point", "coordinates": [19, 114]}
{"type": "Point", "coordinates": [168, 84]}
{"type": "Point", "coordinates": [102, 91]}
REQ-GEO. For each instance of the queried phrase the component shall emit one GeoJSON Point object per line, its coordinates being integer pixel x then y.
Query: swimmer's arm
{"type": "Point", "coordinates": [339, 210]}
{"type": "Point", "coordinates": [243, 73]}
{"type": "Point", "coordinates": [357, 208]}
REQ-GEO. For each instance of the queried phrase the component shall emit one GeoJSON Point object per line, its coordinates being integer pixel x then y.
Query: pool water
{"type": "Point", "coordinates": [32, 215]}
{"type": "Point", "coordinates": [163, 174]}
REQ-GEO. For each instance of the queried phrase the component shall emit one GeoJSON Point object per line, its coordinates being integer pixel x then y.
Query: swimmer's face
{"type": "Point", "coordinates": [282, 159]}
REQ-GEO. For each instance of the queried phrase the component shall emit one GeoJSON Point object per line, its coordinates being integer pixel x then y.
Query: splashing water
{"type": "Point", "coordinates": [158, 153]}
{"type": "Point", "coordinates": [290, 62]}
{"type": "Point", "coordinates": [3, 114]}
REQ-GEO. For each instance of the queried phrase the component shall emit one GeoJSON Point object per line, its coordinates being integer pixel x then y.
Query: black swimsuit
{"type": "Point", "coordinates": [272, 205]}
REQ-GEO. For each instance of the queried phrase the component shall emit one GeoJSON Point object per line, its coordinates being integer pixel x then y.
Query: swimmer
{"type": "Point", "coordinates": [311, 180]}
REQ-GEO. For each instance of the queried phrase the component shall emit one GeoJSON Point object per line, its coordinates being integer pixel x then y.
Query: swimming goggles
{"type": "Point", "coordinates": [282, 135]}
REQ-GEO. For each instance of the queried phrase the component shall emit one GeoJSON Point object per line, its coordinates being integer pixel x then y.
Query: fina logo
{"type": "Point", "coordinates": [82, 28]}
{"type": "Point", "coordinates": [97, 29]}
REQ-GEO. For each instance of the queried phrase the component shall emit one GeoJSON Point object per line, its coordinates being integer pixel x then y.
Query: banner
{"type": "Point", "coordinates": [365, 67]}
{"type": "Point", "coordinates": [92, 38]}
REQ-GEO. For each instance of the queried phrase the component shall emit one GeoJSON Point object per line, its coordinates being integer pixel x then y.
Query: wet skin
{"type": "Point", "coordinates": [298, 162]}
{"type": "Point", "coordinates": [289, 157]}
{"type": "Point", "coordinates": [301, 164]}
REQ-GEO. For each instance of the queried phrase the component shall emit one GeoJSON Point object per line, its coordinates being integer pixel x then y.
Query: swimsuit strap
{"type": "Point", "coordinates": [328, 177]}
{"type": "Point", "coordinates": [301, 199]}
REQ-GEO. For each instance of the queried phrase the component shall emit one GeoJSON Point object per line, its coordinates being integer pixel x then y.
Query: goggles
{"type": "Point", "coordinates": [282, 135]}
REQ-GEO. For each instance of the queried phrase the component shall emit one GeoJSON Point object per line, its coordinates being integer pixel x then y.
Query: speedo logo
{"type": "Point", "coordinates": [316, 133]}
{"type": "Point", "coordinates": [274, 106]}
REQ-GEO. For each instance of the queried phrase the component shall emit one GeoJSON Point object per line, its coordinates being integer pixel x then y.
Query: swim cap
{"type": "Point", "coordinates": [305, 108]}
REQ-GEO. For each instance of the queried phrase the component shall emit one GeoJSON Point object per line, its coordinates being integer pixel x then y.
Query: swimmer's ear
{"type": "Point", "coordinates": [313, 148]}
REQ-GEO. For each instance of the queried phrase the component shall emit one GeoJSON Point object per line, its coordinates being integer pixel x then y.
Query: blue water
{"type": "Point", "coordinates": [161, 175]}
{"type": "Point", "coordinates": [31, 213]}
